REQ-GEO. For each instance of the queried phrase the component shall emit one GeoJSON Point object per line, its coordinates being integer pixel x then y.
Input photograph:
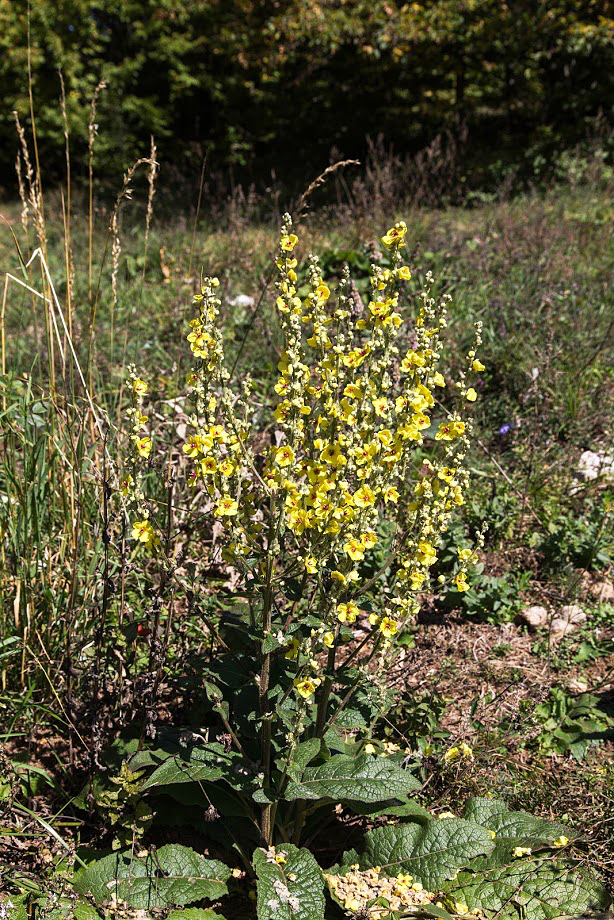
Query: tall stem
{"type": "Point", "coordinates": [265, 673]}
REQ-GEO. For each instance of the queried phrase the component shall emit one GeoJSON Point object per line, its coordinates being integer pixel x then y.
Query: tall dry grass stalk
{"type": "Point", "coordinates": [152, 172]}
{"type": "Point", "coordinates": [91, 138]}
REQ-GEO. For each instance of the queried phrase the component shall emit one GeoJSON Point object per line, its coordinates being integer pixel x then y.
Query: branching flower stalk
{"type": "Point", "coordinates": [363, 461]}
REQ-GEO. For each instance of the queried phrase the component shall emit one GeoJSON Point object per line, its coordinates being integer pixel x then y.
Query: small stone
{"type": "Point", "coordinates": [573, 613]}
{"type": "Point", "coordinates": [534, 616]}
{"type": "Point", "coordinates": [593, 464]}
{"type": "Point", "coordinates": [602, 591]}
{"type": "Point", "coordinates": [242, 300]}
{"type": "Point", "coordinates": [570, 618]}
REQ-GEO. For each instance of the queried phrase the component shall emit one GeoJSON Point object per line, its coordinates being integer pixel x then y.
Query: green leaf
{"type": "Point", "coordinates": [303, 755]}
{"type": "Point", "coordinates": [395, 808]}
{"type": "Point", "coordinates": [533, 890]}
{"type": "Point", "coordinates": [194, 913]}
{"type": "Point", "coordinates": [169, 876]}
{"type": "Point", "coordinates": [431, 852]}
{"type": "Point", "coordinates": [290, 890]}
{"type": "Point", "coordinates": [360, 779]}
{"type": "Point", "coordinates": [205, 763]}
{"type": "Point", "coordinates": [512, 829]}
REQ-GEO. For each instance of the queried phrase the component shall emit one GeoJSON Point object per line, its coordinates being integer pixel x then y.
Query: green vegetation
{"type": "Point", "coordinates": [227, 81]}
{"type": "Point", "coordinates": [250, 665]}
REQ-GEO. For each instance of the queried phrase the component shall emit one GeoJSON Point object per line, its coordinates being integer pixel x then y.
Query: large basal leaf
{"type": "Point", "coordinates": [358, 779]}
{"type": "Point", "coordinates": [172, 875]}
{"type": "Point", "coordinates": [532, 890]}
{"type": "Point", "coordinates": [512, 829]}
{"type": "Point", "coordinates": [204, 763]}
{"type": "Point", "coordinates": [431, 853]}
{"type": "Point", "coordinates": [290, 884]}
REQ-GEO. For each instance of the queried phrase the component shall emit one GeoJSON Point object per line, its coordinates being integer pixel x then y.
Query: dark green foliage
{"type": "Point", "coordinates": [229, 78]}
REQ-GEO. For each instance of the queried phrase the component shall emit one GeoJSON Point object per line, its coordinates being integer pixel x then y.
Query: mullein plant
{"type": "Point", "coordinates": [353, 409]}
{"type": "Point", "coordinates": [352, 412]}
{"type": "Point", "coordinates": [328, 532]}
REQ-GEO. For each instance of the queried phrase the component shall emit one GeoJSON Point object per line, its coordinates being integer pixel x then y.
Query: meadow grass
{"type": "Point", "coordinates": [536, 270]}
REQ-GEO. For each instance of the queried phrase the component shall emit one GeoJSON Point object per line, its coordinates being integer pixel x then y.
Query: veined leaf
{"type": "Point", "coordinates": [172, 875]}
{"type": "Point", "coordinates": [205, 763]}
{"type": "Point", "coordinates": [431, 852]}
{"type": "Point", "coordinates": [396, 808]}
{"type": "Point", "coordinates": [533, 890]}
{"type": "Point", "coordinates": [359, 779]}
{"type": "Point", "coordinates": [511, 829]}
{"type": "Point", "coordinates": [292, 889]}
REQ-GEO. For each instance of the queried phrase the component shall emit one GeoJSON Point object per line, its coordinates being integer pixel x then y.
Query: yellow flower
{"type": "Point", "coordinates": [438, 380]}
{"type": "Point", "coordinates": [451, 755]}
{"type": "Point", "coordinates": [477, 365]}
{"type": "Point", "coordinates": [395, 235]}
{"type": "Point", "coordinates": [288, 242]}
{"type": "Point", "coordinates": [364, 497]}
{"type": "Point", "coordinates": [517, 852]}
{"type": "Point", "coordinates": [347, 613]}
{"type": "Point", "coordinates": [227, 507]}
{"type": "Point", "coordinates": [354, 549]}
{"type": "Point", "coordinates": [471, 395]}
{"type": "Point", "coordinates": [208, 465]}
{"type": "Point", "coordinates": [412, 359]}
{"type": "Point", "coordinates": [373, 619]}
{"type": "Point", "coordinates": [193, 446]}
{"type": "Point", "coordinates": [139, 386]}
{"type": "Point", "coordinates": [226, 467]}
{"type": "Point", "coordinates": [311, 566]}
{"type": "Point", "coordinates": [143, 446]}
{"type": "Point", "coordinates": [449, 430]}
{"type": "Point", "coordinates": [125, 485]}
{"type": "Point", "coordinates": [328, 639]}
{"type": "Point", "coordinates": [388, 627]}
{"type": "Point", "coordinates": [284, 456]}
{"type": "Point", "coordinates": [461, 582]}
{"type": "Point", "coordinates": [492, 834]}
{"type": "Point", "coordinates": [465, 554]}
{"type": "Point", "coordinates": [144, 533]}
{"type": "Point", "coordinates": [292, 649]}
{"type": "Point", "coordinates": [306, 687]}
{"type": "Point", "coordinates": [322, 291]}
{"type": "Point", "coordinates": [561, 841]}
{"type": "Point", "coordinates": [369, 748]}
{"type": "Point", "coordinates": [404, 273]}
{"type": "Point", "coordinates": [427, 553]}
{"type": "Point", "coordinates": [391, 494]}
{"type": "Point", "coordinates": [332, 456]}
{"type": "Point", "coordinates": [352, 391]}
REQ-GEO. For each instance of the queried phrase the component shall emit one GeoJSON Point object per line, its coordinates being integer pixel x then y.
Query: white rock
{"type": "Point", "coordinates": [602, 591]}
{"type": "Point", "coordinates": [535, 616]}
{"type": "Point", "coordinates": [570, 618]}
{"type": "Point", "coordinates": [572, 613]}
{"type": "Point", "coordinates": [593, 464]}
{"type": "Point", "coordinates": [242, 300]}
